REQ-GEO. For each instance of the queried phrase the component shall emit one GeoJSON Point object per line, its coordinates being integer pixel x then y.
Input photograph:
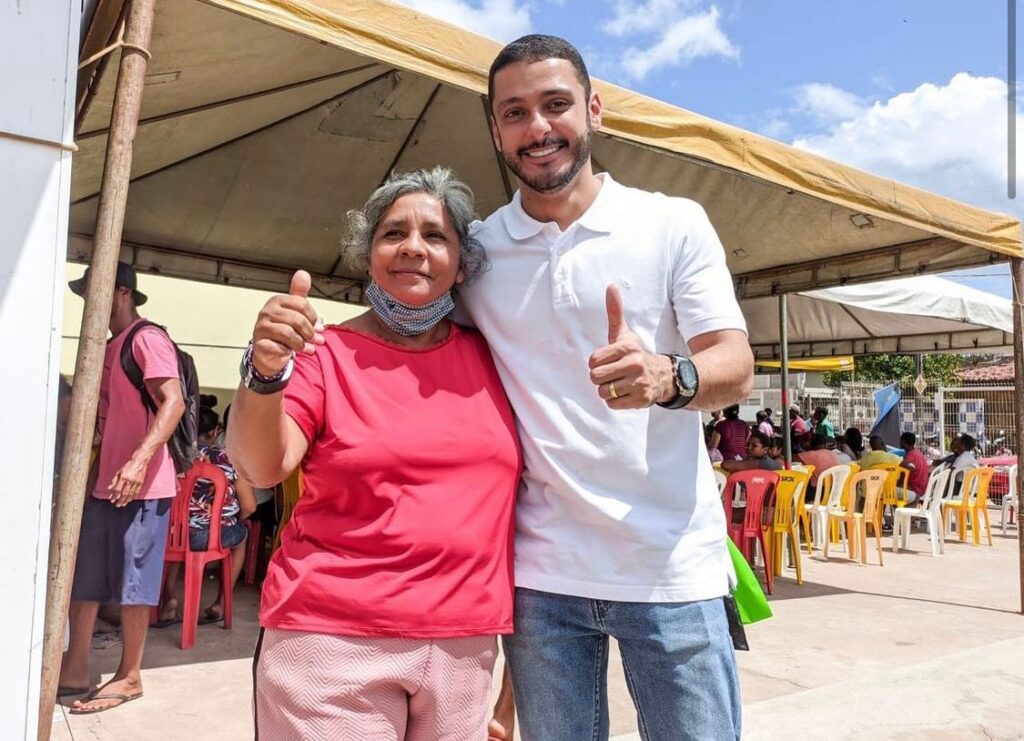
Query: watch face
{"type": "Point", "coordinates": [687, 374]}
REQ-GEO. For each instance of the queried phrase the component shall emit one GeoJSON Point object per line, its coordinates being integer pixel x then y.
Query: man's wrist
{"type": "Point", "coordinates": [666, 379]}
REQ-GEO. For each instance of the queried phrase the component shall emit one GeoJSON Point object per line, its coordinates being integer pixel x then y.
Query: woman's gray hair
{"type": "Point", "coordinates": [440, 182]}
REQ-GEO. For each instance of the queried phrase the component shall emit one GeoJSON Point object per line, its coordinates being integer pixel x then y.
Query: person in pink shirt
{"type": "Point", "coordinates": [915, 461]}
{"type": "Point", "coordinates": [124, 523]}
{"type": "Point", "coordinates": [730, 435]}
{"type": "Point", "coordinates": [395, 569]}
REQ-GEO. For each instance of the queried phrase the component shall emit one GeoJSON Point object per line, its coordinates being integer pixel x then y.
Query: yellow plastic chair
{"type": "Point", "coordinates": [291, 491]}
{"type": "Point", "coordinates": [856, 523]}
{"type": "Point", "coordinates": [971, 504]}
{"type": "Point", "coordinates": [789, 506]}
{"type": "Point", "coordinates": [896, 484]}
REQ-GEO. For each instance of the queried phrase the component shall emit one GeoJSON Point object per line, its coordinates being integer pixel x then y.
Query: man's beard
{"type": "Point", "coordinates": [554, 181]}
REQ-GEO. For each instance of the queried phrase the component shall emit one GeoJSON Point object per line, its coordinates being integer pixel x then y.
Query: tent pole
{"type": "Point", "coordinates": [787, 442]}
{"type": "Point", "coordinates": [99, 294]}
{"type": "Point", "coordinates": [1017, 277]}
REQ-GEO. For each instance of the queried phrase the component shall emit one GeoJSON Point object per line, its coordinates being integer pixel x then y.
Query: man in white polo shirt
{"type": "Point", "coordinates": [612, 319]}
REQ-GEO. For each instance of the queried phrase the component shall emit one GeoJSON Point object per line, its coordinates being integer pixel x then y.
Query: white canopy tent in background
{"type": "Point", "coordinates": [905, 315]}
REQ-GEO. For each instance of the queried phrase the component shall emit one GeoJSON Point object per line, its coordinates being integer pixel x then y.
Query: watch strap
{"type": "Point", "coordinates": [257, 382]}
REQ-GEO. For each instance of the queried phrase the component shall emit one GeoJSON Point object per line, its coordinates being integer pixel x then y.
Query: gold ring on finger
{"type": "Point", "coordinates": [611, 390]}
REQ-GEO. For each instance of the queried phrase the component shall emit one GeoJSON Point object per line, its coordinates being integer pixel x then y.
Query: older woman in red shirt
{"type": "Point", "coordinates": [381, 608]}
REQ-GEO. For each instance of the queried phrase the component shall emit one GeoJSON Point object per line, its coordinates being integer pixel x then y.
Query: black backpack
{"type": "Point", "coordinates": [183, 444]}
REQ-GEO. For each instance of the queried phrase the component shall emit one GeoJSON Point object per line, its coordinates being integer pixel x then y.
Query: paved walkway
{"type": "Point", "coordinates": [922, 648]}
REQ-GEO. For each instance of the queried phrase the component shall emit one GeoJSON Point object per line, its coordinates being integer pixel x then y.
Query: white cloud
{"type": "Point", "coordinates": [679, 43]}
{"type": "Point", "coordinates": [503, 20]}
{"type": "Point", "coordinates": [825, 102]}
{"type": "Point", "coordinates": [643, 17]}
{"type": "Point", "coordinates": [949, 139]}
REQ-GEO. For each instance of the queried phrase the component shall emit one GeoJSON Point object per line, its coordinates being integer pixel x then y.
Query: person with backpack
{"type": "Point", "coordinates": [126, 515]}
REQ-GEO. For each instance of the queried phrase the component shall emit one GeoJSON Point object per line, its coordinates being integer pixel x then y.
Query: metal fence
{"type": "Point", "coordinates": [937, 415]}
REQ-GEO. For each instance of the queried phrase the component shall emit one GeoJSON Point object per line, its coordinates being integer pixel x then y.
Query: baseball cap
{"type": "Point", "coordinates": [125, 278]}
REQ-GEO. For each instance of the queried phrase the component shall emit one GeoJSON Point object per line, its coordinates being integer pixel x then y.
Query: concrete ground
{"type": "Point", "coordinates": [922, 648]}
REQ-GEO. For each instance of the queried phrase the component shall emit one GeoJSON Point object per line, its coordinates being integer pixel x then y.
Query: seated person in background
{"type": "Point", "coordinates": [819, 456]}
{"type": "Point", "coordinates": [757, 456]}
{"type": "Point", "coordinates": [821, 424]}
{"type": "Point", "coordinates": [266, 505]}
{"type": "Point", "coordinates": [239, 503]}
{"type": "Point", "coordinates": [777, 451]}
{"type": "Point", "coordinates": [764, 425]}
{"type": "Point", "coordinates": [959, 461]}
{"type": "Point", "coordinates": [916, 463]}
{"type": "Point", "coordinates": [962, 456]}
{"type": "Point", "coordinates": [713, 453]}
{"type": "Point", "coordinates": [853, 444]}
{"type": "Point", "coordinates": [878, 454]}
{"type": "Point", "coordinates": [730, 435]}
{"type": "Point", "coordinates": [840, 450]}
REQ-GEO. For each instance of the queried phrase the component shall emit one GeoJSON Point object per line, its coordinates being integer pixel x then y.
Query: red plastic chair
{"type": "Point", "coordinates": [194, 562]}
{"type": "Point", "coordinates": [759, 488]}
{"type": "Point", "coordinates": [253, 544]}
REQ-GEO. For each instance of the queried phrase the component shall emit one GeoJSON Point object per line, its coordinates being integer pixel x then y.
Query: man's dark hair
{"type": "Point", "coordinates": [778, 442]}
{"type": "Point", "coordinates": [818, 441]}
{"type": "Point", "coordinates": [908, 440]}
{"type": "Point", "coordinates": [968, 441]}
{"type": "Point", "coordinates": [535, 48]}
{"type": "Point", "coordinates": [821, 411]}
{"type": "Point", "coordinates": [761, 438]}
{"type": "Point", "coordinates": [877, 442]}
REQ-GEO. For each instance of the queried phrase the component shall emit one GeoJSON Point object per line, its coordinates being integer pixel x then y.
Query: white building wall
{"type": "Point", "coordinates": [38, 52]}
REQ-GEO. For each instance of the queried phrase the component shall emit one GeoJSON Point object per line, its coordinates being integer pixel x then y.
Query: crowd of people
{"type": "Point", "coordinates": [737, 445]}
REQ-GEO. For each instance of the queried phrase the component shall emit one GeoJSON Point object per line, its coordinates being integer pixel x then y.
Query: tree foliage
{"type": "Point", "coordinates": [939, 368]}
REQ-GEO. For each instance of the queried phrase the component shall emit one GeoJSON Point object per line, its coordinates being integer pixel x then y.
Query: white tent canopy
{"type": "Point", "coordinates": [904, 315]}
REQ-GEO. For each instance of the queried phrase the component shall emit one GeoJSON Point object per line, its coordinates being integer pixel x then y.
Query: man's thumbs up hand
{"type": "Point", "coordinates": [626, 375]}
{"type": "Point", "coordinates": [616, 314]}
{"type": "Point", "coordinates": [287, 324]}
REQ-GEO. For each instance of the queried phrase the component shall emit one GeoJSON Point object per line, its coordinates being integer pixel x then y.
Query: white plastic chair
{"type": "Point", "coordinates": [1011, 499]}
{"type": "Point", "coordinates": [930, 511]}
{"type": "Point", "coordinates": [833, 481]}
{"type": "Point", "coordinates": [720, 479]}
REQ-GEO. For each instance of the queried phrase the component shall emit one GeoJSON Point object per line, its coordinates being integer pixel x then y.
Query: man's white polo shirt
{"type": "Point", "coordinates": [616, 505]}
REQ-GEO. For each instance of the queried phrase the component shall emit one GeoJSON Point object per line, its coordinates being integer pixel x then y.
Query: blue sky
{"type": "Point", "coordinates": [913, 90]}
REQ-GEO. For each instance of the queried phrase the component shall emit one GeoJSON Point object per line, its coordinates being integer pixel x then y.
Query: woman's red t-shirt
{"type": "Point", "coordinates": [405, 524]}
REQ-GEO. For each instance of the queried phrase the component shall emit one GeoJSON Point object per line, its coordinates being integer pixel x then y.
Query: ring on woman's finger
{"type": "Point", "coordinates": [611, 390]}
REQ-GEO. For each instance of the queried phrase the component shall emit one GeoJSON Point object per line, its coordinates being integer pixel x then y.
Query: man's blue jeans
{"type": "Point", "coordinates": [678, 659]}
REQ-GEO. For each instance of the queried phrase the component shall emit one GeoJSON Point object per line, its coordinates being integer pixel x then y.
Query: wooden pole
{"type": "Point", "coordinates": [1017, 277]}
{"type": "Point", "coordinates": [787, 441]}
{"type": "Point", "coordinates": [74, 472]}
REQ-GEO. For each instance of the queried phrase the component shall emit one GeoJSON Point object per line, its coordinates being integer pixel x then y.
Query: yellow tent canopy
{"type": "Point", "coordinates": [842, 363]}
{"type": "Point", "coordinates": [263, 121]}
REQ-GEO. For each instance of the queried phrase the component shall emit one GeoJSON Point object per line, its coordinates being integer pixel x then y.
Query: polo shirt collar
{"type": "Point", "coordinates": [600, 217]}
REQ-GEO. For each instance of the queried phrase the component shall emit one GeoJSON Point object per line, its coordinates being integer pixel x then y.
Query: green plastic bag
{"type": "Point", "coordinates": [750, 600]}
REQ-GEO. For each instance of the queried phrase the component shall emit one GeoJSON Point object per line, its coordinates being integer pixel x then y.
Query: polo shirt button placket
{"type": "Point", "coordinates": [559, 280]}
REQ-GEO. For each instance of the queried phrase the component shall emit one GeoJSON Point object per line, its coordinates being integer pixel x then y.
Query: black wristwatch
{"type": "Point", "coordinates": [686, 380]}
{"type": "Point", "coordinates": [260, 384]}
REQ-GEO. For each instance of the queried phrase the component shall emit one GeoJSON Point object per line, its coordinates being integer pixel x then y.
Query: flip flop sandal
{"type": "Point", "coordinates": [64, 691]}
{"type": "Point", "coordinates": [167, 622]}
{"type": "Point", "coordinates": [97, 695]}
{"type": "Point", "coordinates": [206, 619]}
